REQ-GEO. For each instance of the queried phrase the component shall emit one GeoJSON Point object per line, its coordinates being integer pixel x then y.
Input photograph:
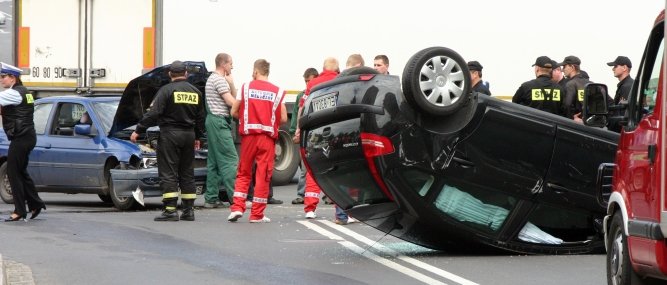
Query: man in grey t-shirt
{"type": "Point", "coordinates": [222, 158]}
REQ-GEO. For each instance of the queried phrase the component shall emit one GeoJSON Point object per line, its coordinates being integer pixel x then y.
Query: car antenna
{"type": "Point", "coordinates": [379, 239]}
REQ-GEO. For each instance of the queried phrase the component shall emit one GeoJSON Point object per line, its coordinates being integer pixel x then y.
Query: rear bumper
{"type": "Point", "coordinates": [124, 181]}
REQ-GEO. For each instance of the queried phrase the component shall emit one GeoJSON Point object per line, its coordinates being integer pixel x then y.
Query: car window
{"type": "Point", "coordinates": [566, 224]}
{"type": "Point", "coordinates": [69, 115]}
{"type": "Point", "coordinates": [481, 210]}
{"type": "Point", "coordinates": [105, 113]}
{"type": "Point", "coordinates": [41, 117]}
{"type": "Point", "coordinates": [650, 79]}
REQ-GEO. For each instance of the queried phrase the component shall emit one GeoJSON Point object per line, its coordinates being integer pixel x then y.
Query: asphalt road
{"type": "Point", "coordinates": [80, 240]}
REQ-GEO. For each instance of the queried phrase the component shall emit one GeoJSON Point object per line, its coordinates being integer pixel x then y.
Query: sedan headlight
{"type": "Point", "coordinates": [149, 162]}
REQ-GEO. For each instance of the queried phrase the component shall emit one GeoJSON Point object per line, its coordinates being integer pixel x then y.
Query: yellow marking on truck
{"type": "Point", "coordinates": [149, 47]}
{"type": "Point", "coordinates": [24, 47]}
{"type": "Point", "coordinates": [186, 98]}
{"type": "Point", "coordinates": [49, 84]}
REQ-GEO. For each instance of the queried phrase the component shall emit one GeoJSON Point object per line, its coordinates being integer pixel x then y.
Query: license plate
{"type": "Point", "coordinates": [324, 102]}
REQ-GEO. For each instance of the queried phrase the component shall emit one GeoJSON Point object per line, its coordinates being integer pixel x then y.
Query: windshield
{"type": "Point", "coordinates": [105, 112]}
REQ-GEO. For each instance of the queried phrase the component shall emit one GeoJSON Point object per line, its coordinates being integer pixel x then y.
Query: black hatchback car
{"type": "Point", "coordinates": [426, 160]}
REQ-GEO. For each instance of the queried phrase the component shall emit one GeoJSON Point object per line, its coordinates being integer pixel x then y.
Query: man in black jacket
{"type": "Point", "coordinates": [621, 67]}
{"type": "Point", "coordinates": [178, 108]}
{"type": "Point", "coordinates": [574, 89]}
{"type": "Point", "coordinates": [541, 93]}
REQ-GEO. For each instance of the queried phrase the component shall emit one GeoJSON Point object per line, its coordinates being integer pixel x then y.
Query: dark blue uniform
{"type": "Point", "coordinates": [17, 121]}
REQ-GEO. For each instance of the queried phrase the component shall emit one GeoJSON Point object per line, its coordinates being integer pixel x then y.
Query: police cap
{"type": "Point", "coordinates": [543, 61]}
{"type": "Point", "coordinates": [474, 66]}
{"type": "Point", "coordinates": [621, 60]}
{"type": "Point", "coordinates": [6, 69]}
{"type": "Point", "coordinates": [177, 67]}
{"type": "Point", "coordinates": [571, 59]}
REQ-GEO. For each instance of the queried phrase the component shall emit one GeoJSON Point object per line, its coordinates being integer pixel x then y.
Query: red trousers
{"type": "Point", "coordinates": [258, 148]}
{"type": "Point", "coordinates": [312, 195]}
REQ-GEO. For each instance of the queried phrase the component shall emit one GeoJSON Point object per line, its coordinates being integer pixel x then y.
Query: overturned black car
{"type": "Point", "coordinates": [426, 160]}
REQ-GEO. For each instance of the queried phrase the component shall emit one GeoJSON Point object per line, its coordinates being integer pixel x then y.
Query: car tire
{"type": "Point", "coordinates": [287, 159]}
{"type": "Point", "coordinates": [619, 268]}
{"type": "Point", "coordinates": [5, 189]}
{"type": "Point", "coordinates": [121, 203]}
{"type": "Point", "coordinates": [436, 81]}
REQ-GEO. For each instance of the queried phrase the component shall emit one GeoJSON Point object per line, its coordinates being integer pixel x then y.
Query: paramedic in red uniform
{"type": "Point", "coordinates": [260, 110]}
{"type": "Point", "coordinates": [312, 195]}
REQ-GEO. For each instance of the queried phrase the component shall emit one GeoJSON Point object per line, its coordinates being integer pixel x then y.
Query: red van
{"type": "Point", "coordinates": [633, 187]}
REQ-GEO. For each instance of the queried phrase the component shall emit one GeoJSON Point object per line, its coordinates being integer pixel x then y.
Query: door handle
{"type": "Point", "coordinates": [557, 188]}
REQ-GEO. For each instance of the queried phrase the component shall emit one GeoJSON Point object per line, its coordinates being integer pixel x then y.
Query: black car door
{"type": "Point", "coordinates": [578, 152]}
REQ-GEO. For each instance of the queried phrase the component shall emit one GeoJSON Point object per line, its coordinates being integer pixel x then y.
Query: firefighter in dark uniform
{"type": "Point", "coordinates": [17, 121]}
{"type": "Point", "coordinates": [178, 108]}
{"type": "Point", "coordinates": [478, 85]}
{"type": "Point", "coordinates": [541, 93]}
{"type": "Point", "coordinates": [573, 96]}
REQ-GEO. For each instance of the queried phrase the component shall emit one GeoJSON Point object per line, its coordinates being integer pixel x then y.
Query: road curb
{"type": "Point", "coordinates": [14, 273]}
{"type": "Point", "coordinates": [2, 271]}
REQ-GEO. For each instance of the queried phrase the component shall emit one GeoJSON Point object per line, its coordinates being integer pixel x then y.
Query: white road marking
{"type": "Point", "coordinates": [392, 252]}
{"type": "Point", "coordinates": [357, 249]}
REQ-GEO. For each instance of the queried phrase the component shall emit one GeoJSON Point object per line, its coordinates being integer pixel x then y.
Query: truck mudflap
{"type": "Point", "coordinates": [126, 181]}
{"type": "Point", "coordinates": [603, 184]}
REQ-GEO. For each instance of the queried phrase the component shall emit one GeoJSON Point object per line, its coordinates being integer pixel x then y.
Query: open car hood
{"type": "Point", "coordinates": [139, 94]}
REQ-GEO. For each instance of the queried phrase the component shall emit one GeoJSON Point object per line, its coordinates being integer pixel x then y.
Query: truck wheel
{"type": "Point", "coordinates": [436, 81]}
{"type": "Point", "coordinates": [121, 203]}
{"type": "Point", "coordinates": [619, 268]}
{"type": "Point", "coordinates": [287, 160]}
{"type": "Point", "coordinates": [5, 188]}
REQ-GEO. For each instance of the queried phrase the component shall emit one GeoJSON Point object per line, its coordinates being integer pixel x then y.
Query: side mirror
{"type": "Point", "coordinates": [82, 129]}
{"type": "Point", "coordinates": [595, 109]}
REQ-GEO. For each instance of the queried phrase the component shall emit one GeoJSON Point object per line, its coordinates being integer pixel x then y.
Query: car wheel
{"type": "Point", "coordinates": [287, 160]}
{"type": "Point", "coordinates": [436, 81]}
{"type": "Point", "coordinates": [5, 188]}
{"type": "Point", "coordinates": [121, 203]}
{"type": "Point", "coordinates": [619, 269]}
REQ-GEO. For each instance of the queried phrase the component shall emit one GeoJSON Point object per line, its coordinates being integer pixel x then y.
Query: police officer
{"type": "Point", "coordinates": [178, 108]}
{"type": "Point", "coordinates": [574, 88]}
{"type": "Point", "coordinates": [478, 85]}
{"type": "Point", "coordinates": [541, 93]}
{"type": "Point", "coordinates": [17, 120]}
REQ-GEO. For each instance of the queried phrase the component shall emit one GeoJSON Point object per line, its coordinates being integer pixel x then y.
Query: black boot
{"type": "Point", "coordinates": [167, 216]}
{"type": "Point", "coordinates": [188, 210]}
